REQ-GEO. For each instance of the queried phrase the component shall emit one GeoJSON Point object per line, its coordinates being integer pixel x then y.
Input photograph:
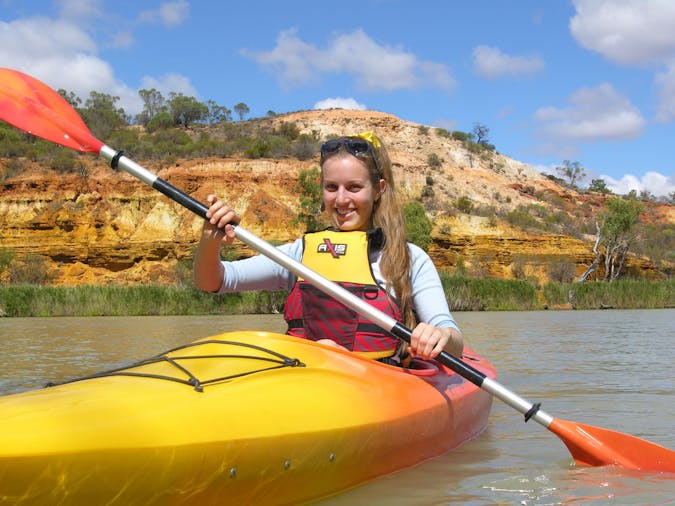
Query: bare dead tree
{"type": "Point", "coordinates": [615, 256]}
{"type": "Point", "coordinates": [616, 234]}
{"type": "Point", "coordinates": [596, 259]}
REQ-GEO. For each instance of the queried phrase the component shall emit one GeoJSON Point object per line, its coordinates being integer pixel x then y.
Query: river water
{"type": "Point", "coordinates": [611, 369]}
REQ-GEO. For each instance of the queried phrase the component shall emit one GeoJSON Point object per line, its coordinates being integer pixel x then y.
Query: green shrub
{"type": "Point", "coordinates": [30, 269]}
{"type": "Point", "coordinates": [63, 162]}
{"type": "Point", "coordinates": [464, 204]}
{"type": "Point", "coordinates": [434, 161]}
{"type": "Point", "coordinates": [258, 149]}
{"type": "Point", "coordinates": [6, 259]}
{"type": "Point", "coordinates": [521, 218]}
{"type": "Point", "coordinates": [561, 269]}
{"type": "Point", "coordinates": [442, 132]}
{"type": "Point", "coordinates": [304, 148]}
{"type": "Point", "coordinates": [417, 225]}
{"type": "Point", "coordinates": [289, 130]}
{"type": "Point", "coordinates": [461, 136]}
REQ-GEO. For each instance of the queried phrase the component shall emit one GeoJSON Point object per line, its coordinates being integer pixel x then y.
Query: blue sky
{"type": "Point", "coordinates": [591, 81]}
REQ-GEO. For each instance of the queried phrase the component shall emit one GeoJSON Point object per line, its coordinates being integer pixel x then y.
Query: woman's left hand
{"type": "Point", "coordinates": [428, 341]}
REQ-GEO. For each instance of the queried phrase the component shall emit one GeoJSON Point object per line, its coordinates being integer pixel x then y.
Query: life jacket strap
{"type": "Point", "coordinates": [370, 328]}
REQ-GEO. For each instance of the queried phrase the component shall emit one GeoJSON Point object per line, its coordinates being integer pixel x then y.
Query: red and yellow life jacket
{"type": "Point", "coordinates": [345, 258]}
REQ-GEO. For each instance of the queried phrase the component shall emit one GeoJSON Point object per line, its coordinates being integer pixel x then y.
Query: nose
{"type": "Point", "coordinates": [341, 195]}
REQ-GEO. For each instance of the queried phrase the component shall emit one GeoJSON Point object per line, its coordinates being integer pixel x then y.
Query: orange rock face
{"type": "Point", "coordinates": [106, 227]}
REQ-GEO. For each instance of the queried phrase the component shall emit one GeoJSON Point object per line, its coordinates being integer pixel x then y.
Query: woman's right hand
{"type": "Point", "coordinates": [220, 218]}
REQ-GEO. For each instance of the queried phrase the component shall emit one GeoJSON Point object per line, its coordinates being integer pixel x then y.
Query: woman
{"type": "Point", "coordinates": [399, 278]}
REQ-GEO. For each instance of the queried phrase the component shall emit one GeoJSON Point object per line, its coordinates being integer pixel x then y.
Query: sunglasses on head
{"type": "Point", "coordinates": [353, 145]}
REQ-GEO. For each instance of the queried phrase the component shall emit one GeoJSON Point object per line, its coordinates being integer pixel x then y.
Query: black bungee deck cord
{"type": "Point", "coordinates": [279, 361]}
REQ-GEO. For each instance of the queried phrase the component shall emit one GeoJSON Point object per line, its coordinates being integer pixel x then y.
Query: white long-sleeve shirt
{"type": "Point", "coordinates": [261, 273]}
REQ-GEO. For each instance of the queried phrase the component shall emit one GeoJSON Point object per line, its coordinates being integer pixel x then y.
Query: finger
{"type": "Point", "coordinates": [230, 232]}
{"type": "Point", "coordinates": [210, 199]}
{"type": "Point", "coordinates": [414, 340]}
{"type": "Point", "coordinates": [427, 348]}
{"type": "Point", "coordinates": [213, 209]}
{"type": "Point", "coordinates": [219, 214]}
{"type": "Point", "coordinates": [437, 349]}
{"type": "Point", "coordinates": [228, 218]}
{"type": "Point", "coordinates": [429, 342]}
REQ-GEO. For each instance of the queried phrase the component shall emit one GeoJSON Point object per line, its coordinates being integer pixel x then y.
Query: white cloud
{"type": "Point", "coordinates": [665, 82]}
{"type": "Point", "coordinates": [653, 182]}
{"type": "Point", "coordinates": [55, 51]}
{"type": "Point", "coordinates": [169, 14]}
{"type": "Point", "coordinates": [61, 53]}
{"type": "Point", "coordinates": [174, 13]}
{"type": "Point", "coordinates": [291, 59]}
{"type": "Point", "coordinates": [593, 114]}
{"type": "Point", "coordinates": [168, 83]}
{"type": "Point", "coordinates": [80, 9]}
{"type": "Point", "coordinates": [633, 33]}
{"type": "Point", "coordinates": [41, 38]}
{"type": "Point", "coordinates": [375, 67]}
{"type": "Point", "coordinates": [340, 103]}
{"type": "Point", "coordinates": [490, 63]}
{"type": "Point", "coordinates": [628, 32]}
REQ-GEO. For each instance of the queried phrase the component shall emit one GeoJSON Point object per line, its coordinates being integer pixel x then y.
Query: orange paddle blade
{"type": "Point", "coordinates": [34, 107]}
{"type": "Point", "coordinates": [595, 446]}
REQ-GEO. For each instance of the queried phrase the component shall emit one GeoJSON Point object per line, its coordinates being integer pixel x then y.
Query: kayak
{"type": "Point", "coordinates": [238, 418]}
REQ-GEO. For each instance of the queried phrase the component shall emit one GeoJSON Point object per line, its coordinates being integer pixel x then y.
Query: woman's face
{"type": "Point", "coordinates": [348, 193]}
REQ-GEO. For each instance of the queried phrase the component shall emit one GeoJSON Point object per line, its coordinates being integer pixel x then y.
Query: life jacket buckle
{"type": "Point", "coordinates": [371, 292]}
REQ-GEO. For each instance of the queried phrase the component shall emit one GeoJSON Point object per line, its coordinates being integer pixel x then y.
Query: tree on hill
{"type": "Point", "coordinates": [70, 97]}
{"type": "Point", "coordinates": [153, 104]}
{"type": "Point", "coordinates": [480, 133]}
{"type": "Point", "coordinates": [599, 185]}
{"type": "Point", "coordinates": [102, 115]}
{"type": "Point", "coordinates": [186, 110]}
{"type": "Point", "coordinates": [242, 110]}
{"type": "Point", "coordinates": [217, 113]}
{"type": "Point", "coordinates": [572, 172]}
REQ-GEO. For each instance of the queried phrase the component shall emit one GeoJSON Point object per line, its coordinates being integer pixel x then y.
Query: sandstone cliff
{"type": "Point", "coordinates": [101, 226]}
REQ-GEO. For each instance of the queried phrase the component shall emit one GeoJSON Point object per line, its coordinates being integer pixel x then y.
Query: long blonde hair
{"type": "Point", "coordinates": [395, 263]}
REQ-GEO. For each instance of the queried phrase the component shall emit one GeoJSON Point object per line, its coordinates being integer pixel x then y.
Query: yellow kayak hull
{"type": "Point", "coordinates": [239, 418]}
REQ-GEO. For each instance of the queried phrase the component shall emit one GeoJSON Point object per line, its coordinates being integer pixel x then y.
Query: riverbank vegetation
{"type": "Point", "coordinates": [620, 294]}
{"type": "Point", "coordinates": [463, 294]}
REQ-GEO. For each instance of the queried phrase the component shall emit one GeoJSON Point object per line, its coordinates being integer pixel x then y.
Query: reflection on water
{"type": "Point", "coordinates": [606, 368]}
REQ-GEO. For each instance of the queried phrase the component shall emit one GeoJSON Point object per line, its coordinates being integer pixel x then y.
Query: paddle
{"type": "Point", "coordinates": [32, 106]}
